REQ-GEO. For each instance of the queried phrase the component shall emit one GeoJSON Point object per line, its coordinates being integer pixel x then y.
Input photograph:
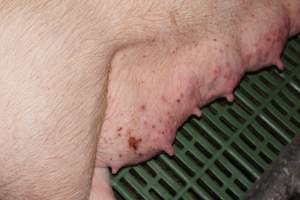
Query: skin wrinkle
{"type": "Point", "coordinates": [61, 124]}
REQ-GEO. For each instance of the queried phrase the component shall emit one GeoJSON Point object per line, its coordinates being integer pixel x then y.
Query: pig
{"type": "Point", "coordinates": [87, 85]}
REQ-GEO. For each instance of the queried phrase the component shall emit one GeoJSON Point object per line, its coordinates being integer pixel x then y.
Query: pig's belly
{"type": "Point", "coordinates": [155, 86]}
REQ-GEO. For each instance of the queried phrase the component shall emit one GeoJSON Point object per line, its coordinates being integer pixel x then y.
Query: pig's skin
{"type": "Point", "coordinates": [184, 67]}
{"type": "Point", "coordinates": [55, 59]}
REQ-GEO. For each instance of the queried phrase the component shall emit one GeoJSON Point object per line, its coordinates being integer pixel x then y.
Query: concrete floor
{"type": "Point", "coordinates": [283, 181]}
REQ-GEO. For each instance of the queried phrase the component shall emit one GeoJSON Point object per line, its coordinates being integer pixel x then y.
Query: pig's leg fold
{"type": "Point", "coordinates": [101, 188]}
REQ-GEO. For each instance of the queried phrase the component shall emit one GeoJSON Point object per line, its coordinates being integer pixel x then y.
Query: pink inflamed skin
{"type": "Point", "coordinates": [88, 86]}
{"type": "Point", "coordinates": [174, 73]}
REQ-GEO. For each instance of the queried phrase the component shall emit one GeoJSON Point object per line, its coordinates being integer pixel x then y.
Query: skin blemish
{"type": "Point", "coordinates": [140, 155]}
{"type": "Point", "coordinates": [173, 19]}
{"type": "Point", "coordinates": [163, 99]}
{"type": "Point", "coordinates": [153, 126]}
{"type": "Point", "coordinates": [120, 129]}
{"type": "Point", "coordinates": [215, 39]}
{"type": "Point", "coordinates": [178, 100]}
{"type": "Point", "coordinates": [134, 143]}
{"type": "Point", "coordinates": [120, 155]}
{"type": "Point", "coordinates": [143, 107]}
{"type": "Point", "coordinates": [119, 135]}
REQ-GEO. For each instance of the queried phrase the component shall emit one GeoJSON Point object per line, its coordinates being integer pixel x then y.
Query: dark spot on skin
{"type": "Point", "coordinates": [153, 126]}
{"type": "Point", "coordinates": [140, 155]}
{"type": "Point", "coordinates": [215, 39]}
{"type": "Point", "coordinates": [119, 129]}
{"type": "Point", "coordinates": [144, 56]}
{"type": "Point", "coordinates": [110, 159]}
{"type": "Point", "coordinates": [143, 107]}
{"type": "Point", "coordinates": [120, 155]}
{"type": "Point", "coordinates": [119, 135]}
{"type": "Point", "coordinates": [134, 143]}
{"type": "Point", "coordinates": [163, 132]}
{"type": "Point", "coordinates": [178, 100]}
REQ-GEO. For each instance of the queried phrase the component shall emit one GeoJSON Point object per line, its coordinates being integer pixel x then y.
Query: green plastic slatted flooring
{"type": "Point", "coordinates": [221, 155]}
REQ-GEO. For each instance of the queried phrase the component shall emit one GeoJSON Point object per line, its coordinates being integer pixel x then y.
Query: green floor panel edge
{"type": "Point", "coordinates": [221, 155]}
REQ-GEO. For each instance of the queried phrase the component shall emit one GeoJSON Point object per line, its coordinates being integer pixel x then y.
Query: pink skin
{"type": "Point", "coordinates": [138, 67]}
{"type": "Point", "coordinates": [169, 81]}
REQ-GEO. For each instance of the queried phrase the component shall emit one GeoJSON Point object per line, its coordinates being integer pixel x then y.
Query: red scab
{"type": "Point", "coordinates": [268, 39]}
{"type": "Point", "coordinates": [134, 143]}
{"type": "Point", "coordinates": [120, 129]}
{"type": "Point", "coordinates": [163, 132]}
{"type": "Point", "coordinates": [143, 107]}
{"type": "Point", "coordinates": [178, 100]}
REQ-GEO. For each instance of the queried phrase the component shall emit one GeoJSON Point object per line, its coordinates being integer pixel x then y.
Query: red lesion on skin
{"type": "Point", "coordinates": [248, 58]}
{"type": "Point", "coordinates": [143, 107]}
{"type": "Point", "coordinates": [120, 129]}
{"type": "Point", "coordinates": [178, 100]}
{"type": "Point", "coordinates": [134, 143]}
